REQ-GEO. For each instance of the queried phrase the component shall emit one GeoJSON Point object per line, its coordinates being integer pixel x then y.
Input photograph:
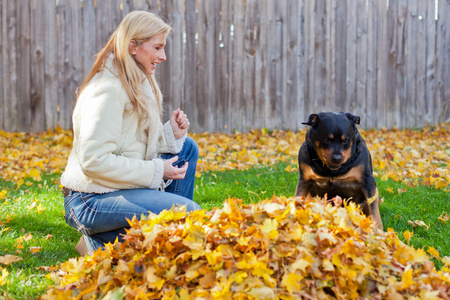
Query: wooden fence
{"type": "Point", "coordinates": [239, 64]}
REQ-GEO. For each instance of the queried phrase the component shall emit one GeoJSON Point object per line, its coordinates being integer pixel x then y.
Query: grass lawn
{"type": "Point", "coordinates": [32, 223]}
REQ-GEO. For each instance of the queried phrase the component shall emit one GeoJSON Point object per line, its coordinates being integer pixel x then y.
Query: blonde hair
{"type": "Point", "coordinates": [139, 26]}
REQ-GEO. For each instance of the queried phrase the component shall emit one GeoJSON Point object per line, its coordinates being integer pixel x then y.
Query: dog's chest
{"type": "Point", "coordinates": [350, 180]}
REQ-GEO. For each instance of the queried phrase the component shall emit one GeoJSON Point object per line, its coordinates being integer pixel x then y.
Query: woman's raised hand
{"type": "Point", "coordinates": [179, 123]}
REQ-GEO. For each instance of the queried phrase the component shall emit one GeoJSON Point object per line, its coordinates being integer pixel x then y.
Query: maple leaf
{"type": "Point", "coordinates": [270, 227]}
{"type": "Point", "coordinates": [9, 259]}
{"type": "Point", "coordinates": [433, 252]}
{"type": "Point", "coordinates": [407, 277]}
{"type": "Point", "coordinates": [408, 235]}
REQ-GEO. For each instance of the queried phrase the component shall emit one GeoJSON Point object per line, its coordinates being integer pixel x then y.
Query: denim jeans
{"type": "Point", "coordinates": [101, 218]}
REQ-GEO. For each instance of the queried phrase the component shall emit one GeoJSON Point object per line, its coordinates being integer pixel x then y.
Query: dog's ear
{"type": "Point", "coordinates": [313, 120]}
{"type": "Point", "coordinates": [354, 119]}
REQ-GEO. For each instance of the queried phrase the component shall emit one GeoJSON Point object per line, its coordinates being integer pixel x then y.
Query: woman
{"type": "Point", "coordinates": [123, 161]}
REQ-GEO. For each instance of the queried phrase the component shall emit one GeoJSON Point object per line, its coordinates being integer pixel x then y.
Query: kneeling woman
{"type": "Point", "coordinates": [124, 161]}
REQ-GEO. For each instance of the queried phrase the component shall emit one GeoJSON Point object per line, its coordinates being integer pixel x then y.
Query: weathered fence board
{"type": "Point", "coordinates": [372, 39]}
{"type": "Point", "coordinates": [23, 83]}
{"type": "Point", "coordinates": [443, 61]}
{"type": "Point", "coordinates": [411, 54]}
{"type": "Point", "coordinates": [9, 66]}
{"type": "Point", "coordinates": [2, 99]}
{"type": "Point", "coordinates": [37, 64]}
{"type": "Point", "coordinates": [190, 64]}
{"type": "Point", "coordinates": [90, 47]}
{"type": "Point", "coordinates": [242, 64]}
{"type": "Point", "coordinates": [50, 55]}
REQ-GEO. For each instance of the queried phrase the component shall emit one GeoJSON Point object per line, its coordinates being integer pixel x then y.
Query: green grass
{"type": "Point", "coordinates": [26, 281]}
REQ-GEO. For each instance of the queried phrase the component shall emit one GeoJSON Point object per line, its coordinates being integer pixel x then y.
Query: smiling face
{"type": "Point", "coordinates": [150, 53]}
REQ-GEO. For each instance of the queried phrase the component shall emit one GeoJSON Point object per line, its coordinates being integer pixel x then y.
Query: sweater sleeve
{"type": "Point", "coordinates": [99, 140]}
{"type": "Point", "coordinates": [167, 142]}
{"type": "Point", "coordinates": [174, 145]}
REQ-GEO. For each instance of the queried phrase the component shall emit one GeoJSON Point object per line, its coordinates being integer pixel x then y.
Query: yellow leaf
{"type": "Point", "coordinates": [408, 235]}
{"type": "Point", "coordinates": [291, 282]}
{"type": "Point", "coordinates": [5, 274]}
{"type": "Point", "coordinates": [20, 182]}
{"type": "Point", "coordinates": [407, 277]}
{"type": "Point", "coordinates": [40, 208]}
{"type": "Point", "coordinates": [270, 227]}
{"type": "Point", "coordinates": [444, 217]}
{"type": "Point", "coordinates": [433, 252]}
{"type": "Point", "coordinates": [4, 229]}
{"type": "Point", "coordinates": [240, 276]}
{"type": "Point", "coordinates": [327, 265]}
{"type": "Point", "coordinates": [35, 174]}
{"type": "Point", "coordinates": [300, 264]}
{"type": "Point", "coordinates": [153, 280]}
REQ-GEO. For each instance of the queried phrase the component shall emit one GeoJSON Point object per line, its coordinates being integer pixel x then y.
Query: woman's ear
{"type": "Point", "coordinates": [132, 47]}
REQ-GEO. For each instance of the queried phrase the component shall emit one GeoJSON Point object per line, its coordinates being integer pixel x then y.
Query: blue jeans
{"type": "Point", "coordinates": [102, 218]}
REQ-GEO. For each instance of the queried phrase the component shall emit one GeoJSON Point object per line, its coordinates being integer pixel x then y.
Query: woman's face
{"type": "Point", "coordinates": [150, 53]}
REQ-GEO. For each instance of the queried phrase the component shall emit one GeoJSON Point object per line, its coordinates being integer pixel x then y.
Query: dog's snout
{"type": "Point", "coordinates": [336, 158]}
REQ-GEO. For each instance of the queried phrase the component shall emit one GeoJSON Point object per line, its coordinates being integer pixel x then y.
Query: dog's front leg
{"type": "Point", "coordinates": [373, 202]}
{"type": "Point", "coordinates": [303, 188]}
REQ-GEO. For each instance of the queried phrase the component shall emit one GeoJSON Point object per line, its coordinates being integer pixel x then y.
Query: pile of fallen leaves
{"type": "Point", "coordinates": [276, 249]}
{"type": "Point", "coordinates": [416, 157]}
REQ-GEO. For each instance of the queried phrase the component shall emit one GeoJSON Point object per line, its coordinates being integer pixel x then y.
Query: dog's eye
{"type": "Point", "coordinates": [344, 142]}
{"type": "Point", "coordinates": [327, 141]}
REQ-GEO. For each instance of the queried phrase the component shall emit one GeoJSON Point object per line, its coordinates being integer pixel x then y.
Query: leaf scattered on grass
{"type": "Point", "coordinates": [9, 259]}
{"type": "Point", "coordinates": [413, 157]}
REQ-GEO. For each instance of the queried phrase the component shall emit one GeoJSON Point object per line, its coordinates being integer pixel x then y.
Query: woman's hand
{"type": "Point", "coordinates": [174, 172]}
{"type": "Point", "coordinates": [179, 123]}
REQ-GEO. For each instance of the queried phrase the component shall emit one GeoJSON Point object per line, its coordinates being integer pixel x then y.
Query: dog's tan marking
{"type": "Point", "coordinates": [309, 174]}
{"type": "Point", "coordinates": [343, 137]}
{"type": "Point", "coordinates": [346, 154]}
{"type": "Point", "coordinates": [331, 136]}
{"type": "Point", "coordinates": [354, 175]}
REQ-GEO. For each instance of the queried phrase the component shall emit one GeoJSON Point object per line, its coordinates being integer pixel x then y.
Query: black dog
{"type": "Point", "coordinates": [334, 161]}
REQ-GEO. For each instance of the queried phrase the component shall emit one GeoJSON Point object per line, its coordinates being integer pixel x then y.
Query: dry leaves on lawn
{"type": "Point", "coordinates": [276, 249]}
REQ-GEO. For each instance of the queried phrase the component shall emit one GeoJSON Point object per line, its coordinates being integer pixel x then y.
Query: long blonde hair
{"type": "Point", "coordinates": [138, 26]}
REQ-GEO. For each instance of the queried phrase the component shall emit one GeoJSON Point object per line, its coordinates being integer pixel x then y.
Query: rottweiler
{"type": "Point", "coordinates": [334, 160]}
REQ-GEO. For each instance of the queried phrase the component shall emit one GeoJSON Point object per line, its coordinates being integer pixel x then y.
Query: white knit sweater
{"type": "Point", "coordinates": [110, 150]}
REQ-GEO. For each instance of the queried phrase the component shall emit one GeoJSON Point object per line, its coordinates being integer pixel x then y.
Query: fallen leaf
{"type": "Point", "coordinates": [9, 259]}
{"type": "Point", "coordinates": [408, 235]}
{"type": "Point", "coordinates": [35, 249]}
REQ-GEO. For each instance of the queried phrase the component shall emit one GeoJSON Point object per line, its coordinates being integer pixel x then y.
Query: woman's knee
{"type": "Point", "coordinates": [192, 205]}
{"type": "Point", "coordinates": [190, 145]}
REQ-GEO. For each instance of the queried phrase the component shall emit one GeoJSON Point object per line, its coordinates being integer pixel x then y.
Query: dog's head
{"type": "Point", "coordinates": [332, 136]}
